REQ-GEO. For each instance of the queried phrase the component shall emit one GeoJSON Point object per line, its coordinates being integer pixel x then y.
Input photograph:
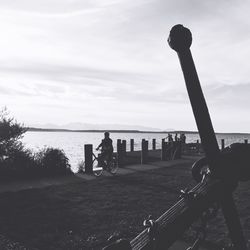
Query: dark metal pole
{"type": "Point", "coordinates": [180, 40]}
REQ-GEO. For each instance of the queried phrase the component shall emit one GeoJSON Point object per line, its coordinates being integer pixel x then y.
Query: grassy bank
{"type": "Point", "coordinates": [83, 215]}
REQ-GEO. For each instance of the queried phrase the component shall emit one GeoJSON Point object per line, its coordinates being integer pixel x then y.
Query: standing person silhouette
{"type": "Point", "coordinates": [183, 138]}
{"type": "Point", "coordinates": [106, 148]}
{"type": "Point", "coordinates": [176, 137]}
{"type": "Point", "coordinates": [170, 138]}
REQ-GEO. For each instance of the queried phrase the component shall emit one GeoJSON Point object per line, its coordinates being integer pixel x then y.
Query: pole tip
{"type": "Point", "coordinates": [180, 38]}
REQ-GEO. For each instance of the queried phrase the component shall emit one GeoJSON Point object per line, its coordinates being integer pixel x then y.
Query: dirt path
{"type": "Point", "coordinates": [61, 180]}
{"type": "Point", "coordinates": [41, 183]}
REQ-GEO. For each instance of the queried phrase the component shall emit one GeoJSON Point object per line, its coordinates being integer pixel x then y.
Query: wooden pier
{"type": "Point", "coordinates": [127, 155]}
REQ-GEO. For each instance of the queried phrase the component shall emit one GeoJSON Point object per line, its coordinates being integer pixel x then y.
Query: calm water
{"type": "Point", "coordinates": [73, 142]}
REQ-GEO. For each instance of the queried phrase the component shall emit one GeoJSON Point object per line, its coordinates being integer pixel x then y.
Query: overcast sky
{"type": "Point", "coordinates": [108, 61]}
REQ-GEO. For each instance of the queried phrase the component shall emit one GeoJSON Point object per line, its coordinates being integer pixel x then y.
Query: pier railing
{"type": "Point", "coordinates": [149, 152]}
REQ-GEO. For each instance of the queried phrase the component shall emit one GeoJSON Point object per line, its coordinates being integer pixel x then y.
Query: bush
{"type": "Point", "coordinates": [81, 167]}
{"type": "Point", "coordinates": [17, 162]}
{"type": "Point", "coordinates": [53, 161]}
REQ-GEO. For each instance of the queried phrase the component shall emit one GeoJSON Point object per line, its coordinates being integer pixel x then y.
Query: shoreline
{"type": "Point", "coordinates": [127, 131]}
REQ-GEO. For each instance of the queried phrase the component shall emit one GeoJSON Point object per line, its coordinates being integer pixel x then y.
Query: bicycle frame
{"type": "Point", "coordinates": [99, 160]}
{"type": "Point", "coordinates": [95, 157]}
{"type": "Point", "coordinates": [105, 165]}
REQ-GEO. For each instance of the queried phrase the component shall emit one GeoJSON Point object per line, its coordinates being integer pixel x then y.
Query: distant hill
{"type": "Point", "coordinates": [37, 129]}
{"type": "Point", "coordinates": [91, 130]}
{"type": "Point", "coordinates": [90, 127]}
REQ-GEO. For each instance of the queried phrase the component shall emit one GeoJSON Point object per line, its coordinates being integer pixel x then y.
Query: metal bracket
{"type": "Point", "coordinates": [188, 195]}
{"type": "Point", "coordinates": [151, 225]}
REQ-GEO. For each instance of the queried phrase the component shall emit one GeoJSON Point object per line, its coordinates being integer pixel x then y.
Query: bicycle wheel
{"type": "Point", "coordinates": [113, 166]}
{"type": "Point", "coordinates": [97, 169]}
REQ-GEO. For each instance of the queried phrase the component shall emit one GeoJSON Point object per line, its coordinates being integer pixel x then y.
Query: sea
{"type": "Point", "coordinates": [72, 143]}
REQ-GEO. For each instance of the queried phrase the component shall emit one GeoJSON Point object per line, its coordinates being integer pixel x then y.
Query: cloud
{"type": "Point", "coordinates": [231, 96]}
{"type": "Point", "coordinates": [75, 58]}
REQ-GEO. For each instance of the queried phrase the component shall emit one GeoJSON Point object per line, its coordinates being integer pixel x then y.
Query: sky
{"type": "Point", "coordinates": [108, 62]}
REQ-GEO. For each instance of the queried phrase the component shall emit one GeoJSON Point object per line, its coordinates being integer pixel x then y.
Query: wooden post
{"type": "Point", "coordinates": [119, 152]}
{"type": "Point", "coordinates": [169, 150]}
{"type": "Point", "coordinates": [154, 144]}
{"type": "Point", "coordinates": [144, 151]}
{"type": "Point", "coordinates": [163, 150]}
{"type": "Point", "coordinates": [222, 143]}
{"type": "Point", "coordinates": [119, 141]}
{"type": "Point", "coordinates": [246, 141]}
{"type": "Point", "coordinates": [198, 146]}
{"type": "Point", "coordinates": [176, 150]}
{"type": "Point", "coordinates": [88, 153]}
{"type": "Point", "coordinates": [124, 145]}
{"type": "Point", "coordinates": [131, 145]}
{"type": "Point", "coordinates": [142, 143]}
{"type": "Point", "coordinates": [179, 150]}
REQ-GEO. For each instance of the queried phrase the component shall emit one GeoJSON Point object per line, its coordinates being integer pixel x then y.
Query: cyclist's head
{"type": "Point", "coordinates": [106, 134]}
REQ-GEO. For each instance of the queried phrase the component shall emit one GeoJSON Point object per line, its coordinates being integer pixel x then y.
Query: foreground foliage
{"type": "Point", "coordinates": [17, 162]}
{"type": "Point", "coordinates": [53, 161]}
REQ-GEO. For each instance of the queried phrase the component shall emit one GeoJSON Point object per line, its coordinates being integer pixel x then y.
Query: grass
{"type": "Point", "coordinates": [83, 215]}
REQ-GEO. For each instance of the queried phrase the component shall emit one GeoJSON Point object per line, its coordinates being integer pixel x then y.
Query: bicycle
{"type": "Point", "coordinates": [99, 165]}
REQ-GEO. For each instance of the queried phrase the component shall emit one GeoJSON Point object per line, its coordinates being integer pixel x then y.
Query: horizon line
{"type": "Point", "coordinates": [34, 129]}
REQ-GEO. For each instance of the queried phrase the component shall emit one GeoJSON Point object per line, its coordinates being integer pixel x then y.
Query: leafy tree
{"type": "Point", "coordinates": [10, 134]}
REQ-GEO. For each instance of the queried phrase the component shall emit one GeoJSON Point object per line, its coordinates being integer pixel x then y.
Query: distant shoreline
{"type": "Point", "coordinates": [124, 131]}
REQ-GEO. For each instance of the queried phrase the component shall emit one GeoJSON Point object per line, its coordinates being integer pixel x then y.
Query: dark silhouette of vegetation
{"type": "Point", "coordinates": [10, 133]}
{"type": "Point", "coordinates": [53, 161]}
{"type": "Point", "coordinates": [17, 162]}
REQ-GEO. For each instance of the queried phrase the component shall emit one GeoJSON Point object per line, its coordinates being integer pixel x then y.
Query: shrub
{"type": "Point", "coordinates": [17, 162]}
{"type": "Point", "coordinates": [53, 161]}
{"type": "Point", "coordinates": [81, 167]}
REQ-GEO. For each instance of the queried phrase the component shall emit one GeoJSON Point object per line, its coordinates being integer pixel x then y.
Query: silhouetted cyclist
{"type": "Point", "coordinates": [106, 148]}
